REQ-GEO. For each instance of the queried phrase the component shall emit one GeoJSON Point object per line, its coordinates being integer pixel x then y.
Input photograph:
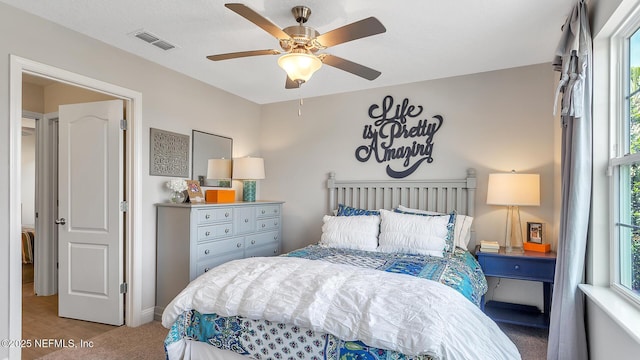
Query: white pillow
{"type": "Point", "coordinates": [462, 232]}
{"type": "Point", "coordinates": [406, 233]}
{"type": "Point", "coordinates": [350, 232]}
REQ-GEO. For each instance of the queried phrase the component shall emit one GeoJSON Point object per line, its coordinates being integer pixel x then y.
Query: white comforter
{"type": "Point", "coordinates": [399, 312]}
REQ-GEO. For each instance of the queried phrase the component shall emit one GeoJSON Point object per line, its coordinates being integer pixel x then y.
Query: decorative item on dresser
{"type": "Point", "coordinates": [248, 169]}
{"type": "Point", "coordinates": [193, 238]}
{"type": "Point", "coordinates": [530, 265]}
{"type": "Point", "coordinates": [513, 190]}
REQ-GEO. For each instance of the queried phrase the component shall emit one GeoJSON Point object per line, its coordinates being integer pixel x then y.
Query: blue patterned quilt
{"type": "Point", "coordinates": [261, 339]}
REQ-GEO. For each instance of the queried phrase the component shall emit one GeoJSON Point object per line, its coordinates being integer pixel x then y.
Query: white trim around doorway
{"type": "Point", "coordinates": [135, 315]}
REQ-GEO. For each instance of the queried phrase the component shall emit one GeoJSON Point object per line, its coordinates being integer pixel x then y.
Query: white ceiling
{"type": "Point", "coordinates": [425, 39]}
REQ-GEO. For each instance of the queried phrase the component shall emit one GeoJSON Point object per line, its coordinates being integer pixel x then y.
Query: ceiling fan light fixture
{"type": "Point", "coordinates": [299, 66]}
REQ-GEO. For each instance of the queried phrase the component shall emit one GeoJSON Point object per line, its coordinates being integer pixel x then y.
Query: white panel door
{"type": "Point", "coordinates": [90, 231]}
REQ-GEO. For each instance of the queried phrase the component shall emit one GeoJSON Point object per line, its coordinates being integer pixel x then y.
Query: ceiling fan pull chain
{"type": "Point", "coordinates": [300, 107]}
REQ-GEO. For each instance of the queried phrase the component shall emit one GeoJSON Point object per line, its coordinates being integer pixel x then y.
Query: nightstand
{"type": "Point", "coordinates": [532, 266]}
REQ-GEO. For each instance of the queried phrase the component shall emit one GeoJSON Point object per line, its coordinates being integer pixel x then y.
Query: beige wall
{"type": "Point", "coordinates": [493, 122]}
{"type": "Point", "coordinates": [61, 94]}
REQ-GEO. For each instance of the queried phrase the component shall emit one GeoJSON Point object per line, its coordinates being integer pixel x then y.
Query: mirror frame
{"type": "Point", "coordinates": [205, 146]}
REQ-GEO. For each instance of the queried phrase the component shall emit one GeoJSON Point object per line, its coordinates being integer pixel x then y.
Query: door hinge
{"type": "Point", "coordinates": [123, 124]}
{"type": "Point", "coordinates": [124, 288]}
{"type": "Point", "coordinates": [124, 206]}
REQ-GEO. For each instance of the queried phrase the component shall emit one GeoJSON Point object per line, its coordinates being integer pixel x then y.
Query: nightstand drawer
{"type": "Point", "coordinates": [518, 268]}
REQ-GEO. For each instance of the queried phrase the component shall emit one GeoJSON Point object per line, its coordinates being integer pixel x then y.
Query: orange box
{"type": "Point", "coordinates": [220, 196]}
{"type": "Point", "coordinates": [537, 247]}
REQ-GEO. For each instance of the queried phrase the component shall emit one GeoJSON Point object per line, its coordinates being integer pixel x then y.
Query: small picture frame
{"type": "Point", "coordinates": [194, 191]}
{"type": "Point", "coordinates": [534, 232]}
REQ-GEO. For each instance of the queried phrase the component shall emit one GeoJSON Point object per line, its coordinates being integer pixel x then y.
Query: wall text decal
{"type": "Point", "coordinates": [393, 127]}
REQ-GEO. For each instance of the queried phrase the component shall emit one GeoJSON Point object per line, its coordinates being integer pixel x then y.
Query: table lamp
{"type": "Point", "coordinates": [513, 190]}
{"type": "Point", "coordinates": [248, 169]}
{"type": "Point", "coordinates": [220, 170]}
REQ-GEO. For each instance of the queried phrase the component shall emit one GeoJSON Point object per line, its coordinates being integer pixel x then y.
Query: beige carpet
{"type": "Point", "coordinates": [146, 342]}
{"type": "Point", "coordinates": [143, 342]}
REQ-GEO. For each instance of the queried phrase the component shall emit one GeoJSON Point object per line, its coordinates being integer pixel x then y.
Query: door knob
{"type": "Point", "coordinates": [60, 221]}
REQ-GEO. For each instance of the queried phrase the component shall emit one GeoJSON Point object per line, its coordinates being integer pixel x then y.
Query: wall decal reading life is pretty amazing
{"type": "Point", "coordinates": [388, 134]}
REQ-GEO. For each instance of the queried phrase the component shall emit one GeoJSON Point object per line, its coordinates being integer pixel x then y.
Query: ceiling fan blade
{"type": "Point", "coordinates": [350, 66]}
{"type": "Point", "coordinates": [290, 84]}
{"type": "Point", "coordinates": [240, 54]}
{"type": "Point", "coordinates": [262, 22]}
{"type": "Point", "coordinates": [359, 29]}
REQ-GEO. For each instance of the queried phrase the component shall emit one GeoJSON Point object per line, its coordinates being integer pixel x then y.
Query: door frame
{"type": "Point", "coordinates": [134, 315]}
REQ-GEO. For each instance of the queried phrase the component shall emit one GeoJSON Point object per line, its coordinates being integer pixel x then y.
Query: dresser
{"type": "Point", "coordinates": [194, 238]}
{"type": "Point", "coordinates": [529, 265]}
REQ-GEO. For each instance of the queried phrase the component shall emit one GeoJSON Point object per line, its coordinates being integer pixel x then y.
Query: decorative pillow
{"type": "Point", "coordinates": [344, 210]}
{"type": "Point", "coordinates": [350, 232]}
{"type": "Point", "coordinates": [407, 233]}
{"type": "Point", "coordinates": [462, 232]}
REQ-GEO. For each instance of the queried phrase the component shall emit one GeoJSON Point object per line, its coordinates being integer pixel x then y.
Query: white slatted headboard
{"type": "Point", "coordinates": [433, 195]}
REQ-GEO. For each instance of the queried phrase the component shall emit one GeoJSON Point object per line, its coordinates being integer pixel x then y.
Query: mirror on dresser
{"type": "Point", "coordinates": [207, 146]}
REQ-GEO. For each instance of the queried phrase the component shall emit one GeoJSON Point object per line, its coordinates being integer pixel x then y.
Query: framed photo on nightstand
{"type": "Point", "coordinates": [534, 232]}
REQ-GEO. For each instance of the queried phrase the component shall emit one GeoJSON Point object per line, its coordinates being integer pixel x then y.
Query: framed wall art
{"type": "Point", "coordinates": [168, 154]}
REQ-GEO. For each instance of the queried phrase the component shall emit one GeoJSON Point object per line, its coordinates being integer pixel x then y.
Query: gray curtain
{"type": "Point", "coordinates": [567, 337]}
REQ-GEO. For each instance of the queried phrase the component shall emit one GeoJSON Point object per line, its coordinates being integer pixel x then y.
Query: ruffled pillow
{"type": "Point", "coordinates": [407, 233]}
{"type": "Point", "coordinates": [462, 230]}
{"type": "Point", "coordinates": [350, 232]}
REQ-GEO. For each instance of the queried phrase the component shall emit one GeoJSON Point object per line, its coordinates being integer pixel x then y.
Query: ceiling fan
{"type": "Point", "coordinates": [300, 44]}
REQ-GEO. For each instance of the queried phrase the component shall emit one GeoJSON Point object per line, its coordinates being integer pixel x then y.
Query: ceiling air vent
{"type": "Point", "coordinates": [153, 40]}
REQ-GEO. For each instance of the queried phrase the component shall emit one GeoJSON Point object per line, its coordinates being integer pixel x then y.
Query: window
{"type": "Point", "coordinates": [626, 165]}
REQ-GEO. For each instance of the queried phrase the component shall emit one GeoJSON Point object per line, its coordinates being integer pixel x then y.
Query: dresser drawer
{"type": "Point", "coordinates": [214, 215]}
{"type": "Point", "coordinates": [262, 239]}
{"type": "Point", "coordinates": [267, 210]}
{"type": "Point", "coordinates": [204, 266]}
{"type": "Point", "coordinates": [217, 231]}
{"type": "Point", "coordinates": [268, 224]}
{"type": "Point", "coordinates": [214, 248]}
{"type": "Point", "coordinates": [518, 268]}
{"type": "Point", "coordinates": [268, 250]}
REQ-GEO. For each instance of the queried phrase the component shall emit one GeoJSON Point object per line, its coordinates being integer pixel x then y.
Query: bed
{"type": "Point", "coordinates": [390, 278]}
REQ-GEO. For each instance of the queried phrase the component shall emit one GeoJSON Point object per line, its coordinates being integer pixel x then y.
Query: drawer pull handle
{"type": "Point", "coordinates": [275, 223]}
{"type": "Point", "coordinates": [263, 211]}
{"type": "Point", "coordinates": [246, 220]}
{"type": "Point", "coordinates": [275, 237]}
{"type": "Point", "coordinates": [207, 233]}
{"type": "Point", "coordinates": [207, 216]}
{"type": "Point", "coordinates": [239, 245]}
{"type": "Point", "coordinates": [275, 251]}
{"type": "Point", "coordinates": [253, 242]}
{"type": "Point", "coordinates": [264, 225]}
{"type": "Point", "coordinates": [206, 269]}
{"type": "Point", "coordinates": [226, 214]}
{"type": "Point", "coordinates": [517, 267]}
{"type": "Point", "coordinates": [226, 231]}
{"type": "Point", "coordinates": [206, 252]}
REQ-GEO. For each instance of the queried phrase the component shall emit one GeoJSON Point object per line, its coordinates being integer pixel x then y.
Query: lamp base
{"type": "Point", "coordinates": [513, 239]}
{"type": "Point", "coordinates": [249, 190]}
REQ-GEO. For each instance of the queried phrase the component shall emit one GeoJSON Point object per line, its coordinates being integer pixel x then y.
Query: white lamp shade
{"type": "Point", "coordinates": [299, 66]}
{"type": "Point", "coordinates": [514, 189]}
{"type": "Point", "coordinates": [219, 169]}
{"type": "Point", "coordinates": [248, 168]}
